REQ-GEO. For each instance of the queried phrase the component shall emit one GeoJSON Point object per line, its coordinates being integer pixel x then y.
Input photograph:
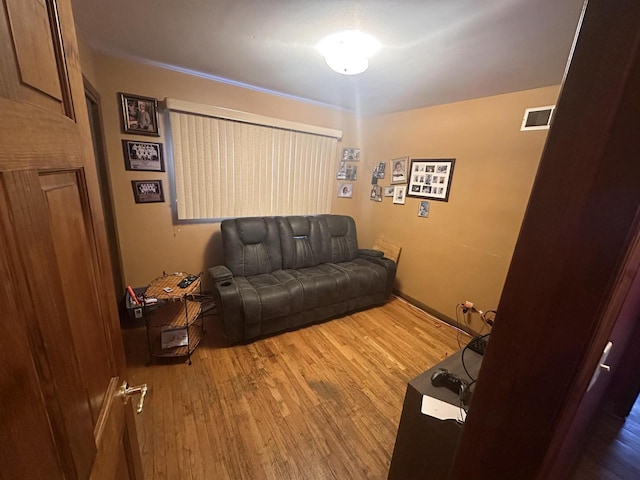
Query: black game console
{"type": "Point", "coordinates": [443, 378]}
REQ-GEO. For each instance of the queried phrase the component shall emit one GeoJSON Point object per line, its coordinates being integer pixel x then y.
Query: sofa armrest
{"type": "Point", "coordinates": [229, 302]}
{"type": "Point", "coordinates": [389, 265]}
{"type": "Point", "coordinates": [368, 252]}
{"type": "Point", "coordinates": [220, 274]}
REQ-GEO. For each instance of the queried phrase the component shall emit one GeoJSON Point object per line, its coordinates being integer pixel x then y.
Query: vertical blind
{"type": "Point", "coordinates": [229, 168]}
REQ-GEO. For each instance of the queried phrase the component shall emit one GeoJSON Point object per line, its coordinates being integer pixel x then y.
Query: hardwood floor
{"type": "Point", "coordinates": [322, 402]}
{"type": "Point", "coordinates": [613, 449]}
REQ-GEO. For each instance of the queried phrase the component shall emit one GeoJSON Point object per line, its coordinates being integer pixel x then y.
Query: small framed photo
{"type": "Point", "coordinates": [139, 114]}
{"type": "Point", "coordinates": [350, 154]}
{"type": "Point", "coordinates": [431, 178]}
{"type": "Point", "coordinates": [378, 171]}
{"type": "Point", "coordinates": [376, 193]}
{"type": "Point", "coordinates": [342, 171]}
{"type": "Point", "coordinates": [147, 191]}
{"type": "Point", "coordinates": [423, 209]}
{"type": "Point", "coordinates": [174, 337]}
{"type": "Point", "coordinates": [347, 172]}
{"type": "Point", "coordinates": [399, 194]}
{"type": "Point", "coordinates": [398, 167]}
{"type": "Point", "coordinates": [143, 156]}
{"type": "Point", "coordinates": [388, 190]}
{"type": "Point", "coordinates": [345, 190]}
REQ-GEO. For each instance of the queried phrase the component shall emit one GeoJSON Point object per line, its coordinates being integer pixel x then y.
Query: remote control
{"type": "Point", "coordinates": [188, 280]}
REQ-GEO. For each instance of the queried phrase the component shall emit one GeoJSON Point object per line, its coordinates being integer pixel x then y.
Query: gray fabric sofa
{"type": "Point", "coordinates": [282, 273]}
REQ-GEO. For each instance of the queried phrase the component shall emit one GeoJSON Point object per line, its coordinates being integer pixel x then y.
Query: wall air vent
{"type": "Point", "coordinates": [537, 118]}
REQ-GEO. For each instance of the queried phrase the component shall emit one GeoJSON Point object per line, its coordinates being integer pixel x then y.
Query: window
{"type": "Point", "coordinates": [234, 164]}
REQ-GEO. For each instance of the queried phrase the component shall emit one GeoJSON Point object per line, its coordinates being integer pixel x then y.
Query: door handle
{"type": "Point", "coordinates": [128, 391]}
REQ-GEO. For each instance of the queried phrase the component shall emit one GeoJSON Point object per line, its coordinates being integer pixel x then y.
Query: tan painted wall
{"type": "Point", "coordinates": [463, 250]}
{"type": "Point", "coordinates": [150, 243]}
{"type": "Point", "coordinates": [87, 61]}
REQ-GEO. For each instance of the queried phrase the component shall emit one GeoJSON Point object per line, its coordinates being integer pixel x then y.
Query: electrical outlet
{"type": "Point", "coordinates": [137, 312]}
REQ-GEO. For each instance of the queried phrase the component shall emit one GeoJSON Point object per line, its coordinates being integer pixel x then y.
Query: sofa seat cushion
{"type": "Point", "coordinates": [322, 285]}
{"type": "Point", "coordinates": [269, 295]}
{"type": "Point", "coordinates": [365, 277]}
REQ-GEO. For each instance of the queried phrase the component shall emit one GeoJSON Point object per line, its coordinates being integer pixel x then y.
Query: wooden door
{"type": "Point", "coordinates": [61, 355]}
{"type": "Point", "coordinates": [571, 279]}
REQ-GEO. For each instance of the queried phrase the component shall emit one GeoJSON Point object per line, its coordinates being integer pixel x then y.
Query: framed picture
{"type": "Point", "coordinates": [423, 209]}
{"type": "Point", "coordinates": [139, 114]}
{"type": "Point", "coordinates": [352, 172]}
{"type": "Point", "coordinates": [398, 167]}
{"type": "Point", "coordinates": [350, 154]}
{"type": "Point", "coordinates": [147, 191]}
{"type": "Point", "coordinates": [431, 178]}
{"type": "Point", "coordinates": [345, 190]}
{"type": "Point", "coordinates": [174, 337]}
{"type": "Point", "coordinates": [376, 193]}
{"type": "Point", "coordinates": [342, 171]}
{"type": "Point", "coordinates": [143, 156]}
{"type": "Point", "coordinates": [399, 194]}
{"type": "Point", "coordinates": [378, 171]}
{"type": "Point", "coordinates": [388, 191]}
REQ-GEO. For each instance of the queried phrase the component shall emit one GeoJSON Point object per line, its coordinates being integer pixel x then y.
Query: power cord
{"type": "Point", "coordinates": [460, 307]}
{"type": "Point", "coordinates": [462, 358]}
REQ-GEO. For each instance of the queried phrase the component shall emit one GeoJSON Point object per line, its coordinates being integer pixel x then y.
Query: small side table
{"type": "Point", "coordinates": [173, 316]}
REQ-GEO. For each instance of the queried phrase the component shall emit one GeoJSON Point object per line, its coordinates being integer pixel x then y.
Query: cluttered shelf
{"type": "Point", "coordinates": [172, 309]}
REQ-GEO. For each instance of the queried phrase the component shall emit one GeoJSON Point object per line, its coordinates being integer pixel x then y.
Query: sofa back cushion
{"type": "Point", "coordinates": [343, 242]}
{"type": "Point", "coordinates": [251, 245]}
{"type": "Point", "coordinates": [305, 243]}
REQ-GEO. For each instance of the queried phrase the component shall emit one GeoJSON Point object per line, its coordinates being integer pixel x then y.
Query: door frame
{"type": "Point", "coordinates": [94, 108]}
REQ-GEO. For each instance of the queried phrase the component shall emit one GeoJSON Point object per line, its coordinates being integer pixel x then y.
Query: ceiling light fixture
{"type": "Point", "coordinates": [348, 52]}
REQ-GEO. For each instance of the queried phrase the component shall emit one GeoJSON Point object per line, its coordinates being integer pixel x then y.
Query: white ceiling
{"type": "Point", "coordinates": [434, 51]}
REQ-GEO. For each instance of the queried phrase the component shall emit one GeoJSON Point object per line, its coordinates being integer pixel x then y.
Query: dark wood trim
{"type": "Point", "coordinates": [104, 181]}
{"type": "Point", "coordinates": [626, 382]}
{"type": "Point", "coordinates": [567, 276]}
{"type": "Point", "coordinates": [58, 46]}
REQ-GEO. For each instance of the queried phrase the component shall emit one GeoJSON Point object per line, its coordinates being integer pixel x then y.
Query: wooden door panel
{"type": "Point", "coordinates": [67, 348]}
{"type": "Point", "coordinates": [41, 71]}
{"type": "Point", "coordinates": [38, 68]}
{"type": "Point", "coordinates": [48, 323]}
{"type": "Point", "coordinates": [58, 147]}
{"type": "Point", "coordinates": [112, 461]}
{"type": "Point", "coordinates": [72, 240]}
{"type": "Point", "coordinates": [26, 433]}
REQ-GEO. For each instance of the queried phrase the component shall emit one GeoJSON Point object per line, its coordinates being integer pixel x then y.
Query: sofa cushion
{"type": "Point", "coordinates": [251, 245]}
{"type": "Point", "coordinates": [322, 285]}
{"type": "Point", "coordinates": [304, 242]}
{"type": "Point", "coordinates": [343, 242]}
{"type": "Point", "coordinates": [365, 277]}
{"type": "Point", "coordinates": [267, 296]}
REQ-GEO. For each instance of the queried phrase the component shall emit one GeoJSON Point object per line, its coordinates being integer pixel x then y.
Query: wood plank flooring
{"type": "Point", "coordinates": [613, 449]}
{"type": "Point", "coordinates": [322, 402]}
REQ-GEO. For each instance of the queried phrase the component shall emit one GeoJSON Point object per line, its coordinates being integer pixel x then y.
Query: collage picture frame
{"type": "Point", "coordinates": [431, 178]}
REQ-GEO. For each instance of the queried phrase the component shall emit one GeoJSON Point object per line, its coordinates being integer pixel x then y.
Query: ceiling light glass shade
{"type": "Point", "coordinates": [348, 52]}
{"type": "Point", "coordinates": [347, 65]}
